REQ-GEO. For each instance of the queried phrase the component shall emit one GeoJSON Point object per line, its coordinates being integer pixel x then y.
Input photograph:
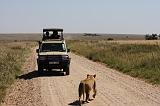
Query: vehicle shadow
{"type": "Point", "coordinates": [35, 74]}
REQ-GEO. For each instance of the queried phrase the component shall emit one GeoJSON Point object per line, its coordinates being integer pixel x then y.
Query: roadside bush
{"type": "Point", "coordinates": [110, 39]}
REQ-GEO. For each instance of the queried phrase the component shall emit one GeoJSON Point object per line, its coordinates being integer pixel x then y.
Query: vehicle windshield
{"type": "Point", "coordinates": [50, 47]}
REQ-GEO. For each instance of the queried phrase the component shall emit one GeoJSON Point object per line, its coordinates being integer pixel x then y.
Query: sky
{"type": "Point", "coordinates": [80, 16]}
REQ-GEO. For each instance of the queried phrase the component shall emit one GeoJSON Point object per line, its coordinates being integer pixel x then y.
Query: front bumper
{"type": "Point", "coordinates": [53, 64]}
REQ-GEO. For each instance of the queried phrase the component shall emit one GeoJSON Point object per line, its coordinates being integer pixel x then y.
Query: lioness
{"type": "Point", "coordinates": [86, 86]}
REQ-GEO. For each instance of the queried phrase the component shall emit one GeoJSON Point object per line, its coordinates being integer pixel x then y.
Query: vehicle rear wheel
{"type": "Point", "coordinates": [67, 70]}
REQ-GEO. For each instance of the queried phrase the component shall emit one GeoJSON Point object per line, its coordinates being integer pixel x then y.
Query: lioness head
{"type": "Point", "coordinates": [91, 76]}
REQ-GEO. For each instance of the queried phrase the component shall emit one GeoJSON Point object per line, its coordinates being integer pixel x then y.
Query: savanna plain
{"type": "Point", "coordinates": [127, 69]}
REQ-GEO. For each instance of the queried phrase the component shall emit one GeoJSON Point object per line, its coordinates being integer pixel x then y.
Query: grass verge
{"type": "Point", "coordinates": [12, 57]}
{"type": "Point", "coordinates": [137, 60]}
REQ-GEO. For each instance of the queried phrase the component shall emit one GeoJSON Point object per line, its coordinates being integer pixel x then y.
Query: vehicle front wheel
{"type": "Point", "coordinates": [40, 69]}
{"type": "Point", "coordinates": [67, 70]}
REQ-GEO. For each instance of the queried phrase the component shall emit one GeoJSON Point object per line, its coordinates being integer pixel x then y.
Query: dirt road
{"type": "Point", "coordinates": [54, 89]}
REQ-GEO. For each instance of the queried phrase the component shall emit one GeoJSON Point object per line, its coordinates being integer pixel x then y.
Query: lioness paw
{"type": "Point", "coordinates": [94, 96]}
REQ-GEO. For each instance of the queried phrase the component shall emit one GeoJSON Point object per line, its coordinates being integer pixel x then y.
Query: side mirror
{"type": "Point", "coordinates": [39, 42]}
{"type": "Point", "coordinates": [68, 50]}
{"type": "Point", "coordinates": [37, 50]}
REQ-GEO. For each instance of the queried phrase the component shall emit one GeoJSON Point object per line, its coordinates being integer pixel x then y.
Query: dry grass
{"type": "Point", "coordinates": [146, 42]}
{"type": "Point", "coordinates": [136, 59]}
{"type": "Point", "coordinates": [12, 57]}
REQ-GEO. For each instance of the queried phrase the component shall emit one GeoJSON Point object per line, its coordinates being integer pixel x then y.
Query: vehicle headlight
{"type": "Point", "coordinates": [42, 58]}
{"type": "Point", "coordinates": [65, 57]}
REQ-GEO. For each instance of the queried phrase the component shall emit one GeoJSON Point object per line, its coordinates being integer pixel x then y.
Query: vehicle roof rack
{"type": "Point", "coordinates": [52, 29]}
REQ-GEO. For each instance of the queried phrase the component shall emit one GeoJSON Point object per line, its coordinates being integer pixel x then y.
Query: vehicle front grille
{"type": "Point", "coordinates": [55, 57]}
